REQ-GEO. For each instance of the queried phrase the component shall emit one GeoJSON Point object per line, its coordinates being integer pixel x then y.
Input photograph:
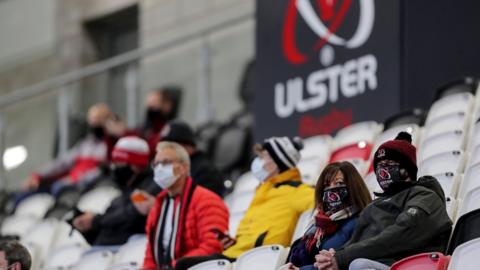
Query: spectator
{"type": "Point", "coordinates": [278, 202]}
{"type": "Point", "coordinates": [203, 171]}
{"type": "Point", "coordinates": [340, 195]}
{"type": "Point", "coordinates": [409, 217]}
{"type": "Point", "coordinates": [183, 220]}
{"type": "Point", "coordinates": [130, 159]}
{"type": "Point", "coordinates": [14, 256]}
{"type": "Point", "coordinates": [80, 165]}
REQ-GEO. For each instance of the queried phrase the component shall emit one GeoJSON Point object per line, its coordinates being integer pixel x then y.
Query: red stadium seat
{"type": "Point", "coordinates": [423, 261]}
{"type": "Point", "coordinates": [360, 150]}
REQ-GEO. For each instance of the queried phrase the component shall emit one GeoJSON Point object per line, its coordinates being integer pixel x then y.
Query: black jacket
{"type": "Point", "coordinates": [393, 227]}
{"type": "Point", "coordinates": [205, 174]}
{"type": "Point", "coordinates": [121, 219]}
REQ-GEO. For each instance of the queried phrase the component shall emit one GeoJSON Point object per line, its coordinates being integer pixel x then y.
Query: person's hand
{"type": "Point", "coordinates": [30, 184]}
{"type": "Point", "coordinates": [325, 260]}
{"type": "Point", "coordinates": [290, 266]}
{"type": "Point", "coordinates": [83, 222]}
{"type": "Point", "coordinates": [115, 127]}
{"type": "Point", "coordinates": [142, 201]}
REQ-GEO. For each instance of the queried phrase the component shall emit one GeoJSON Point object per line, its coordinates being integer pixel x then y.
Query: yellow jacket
{"type": "Point", "coordinates": [273, 213]}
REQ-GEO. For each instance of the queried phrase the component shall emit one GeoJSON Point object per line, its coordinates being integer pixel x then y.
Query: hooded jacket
{"type": "Point", "coordinates": [412, 221]}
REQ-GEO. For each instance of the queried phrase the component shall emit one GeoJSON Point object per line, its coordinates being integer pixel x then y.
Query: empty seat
{"type": "Point", "coordinates": [363, 131]}
{"type": "Point", "coordinates": [246, 183]}
{"type": "Point", "coordinates": [449, 182]}
{"type": "Point", "coordinates": [42, 235]}
{"type": "Point", "coordinates": [474, 156]}
{"type": "Point", "coordinates": [310, 169]}
{"type": "Point", "coordinates": [64, 257]}
{"type": "Point", "coordinates": [449, 122]}
{"type": "Point", "coordinates": [461, 102]}
{"type": "Point", "coordinates": [302, 224]}
{"type": "Point", "coordinates": [470, 180]}
{"type": "Point", "coordinates": [98, 199]}
{"type": "Point", "coordinates": [132, 252]}
{"type": "Point", "coordinates": [444, 142]}
{"type": "Point", "coordinates": [470, 202]}
{"type": "Point", "coordinates": [100, 260]}
{"type": "Point", "coordinates": [36, 205]}
{"type": "Point", "coordinates": [391, 133]}
{"type": "Point", "coordinates": [126, 266]}
{"type": "Point", "coordinates": [241, 201]}
{"type": "Point", "coordinates": [453, 161]}
{"type": "Point", "coordinates": [234, 221]}
{"type": "Point", "coordinates": [213, 265]}
{"type": "Point", "coordinates": [423, 261]}
{"type": "Point", "coordinates": [359, 150]}
{"type": "Point", "coordinates": [268, 257]}
{"type": "Point", "coordinates": [18, 225]}
{"type": "Point", "coordinates": [465, 256]}
{"type": "Point", "coordinates": [410, 117]}
{"type": "Point", "coordinates": [317, 146]}
{"type": "Point", "coordinates": [451, 205]}
{"type": "Point", "coordinates": [474, 136]}
{"type": "Point", "coordinates": [466, 229]}
{"type": "Point", "coordinates": [66, 236]}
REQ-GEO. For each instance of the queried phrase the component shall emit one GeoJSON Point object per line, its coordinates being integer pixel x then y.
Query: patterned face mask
{"type": "Point", "coordinates": [335, 199]}
{"type": "Point", "coordinates": [389, 175]}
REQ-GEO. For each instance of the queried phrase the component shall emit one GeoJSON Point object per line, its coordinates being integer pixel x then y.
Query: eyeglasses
{"type": "Point", "coordinates": [164, 162]}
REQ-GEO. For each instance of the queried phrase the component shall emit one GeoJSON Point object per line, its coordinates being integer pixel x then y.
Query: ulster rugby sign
{"type": "Point", "coordinates": [323, 64]}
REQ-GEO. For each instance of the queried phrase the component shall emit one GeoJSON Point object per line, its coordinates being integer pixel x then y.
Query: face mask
{"type": "Point", "coordinates": [122, 174]}
{"type": "Point", "coordinates": [335, 199]}
{"type": "Point", "coordinates": [164, 176]}
{"type": "Point", "coordinates": [390, 176]}
{"type": "Point", "coordinates": [257, 169]}
{"type": "Point", "coordinates": [97, 131]}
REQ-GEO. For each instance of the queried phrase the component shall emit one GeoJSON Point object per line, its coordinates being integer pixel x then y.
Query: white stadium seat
{"type": "Point", "coordinates": [99, 260]}
{"type": "Point", "coordinates": [470, 202]}
{"type": "Point", "coordinates": [126, 266]}
{"type": "Point", "coordinates": [317, 146]}
{"type": "Point", "coordinates": [453, 161]}
{"type": "Point", "coordinates": [98, 199]}
{"type": "Point", "coordinates": [246, 183]}
{"type": "Point", "coordinates": [310, 169]}
{"type": "Point", "coordinates": [234, 221]}
{"type": "Point", "coordinates": [36, 205]}
{"type": "Point", "coordinates": [444, 142]}
{"type": "Point", "coordinates": [65, 257]}
{"type": "Point", "coordinates": [363, 131]}
{"type": "Point", "coordinates": [470, 180]}
{"type": "Point", "coordinates": [18, 225]}
{"type": "Point", "coordinates": [449, 122]}
{"type": "Point", "coordinates": [132, 252]}
{"type": "Point", "coordinates": [449, 182]}
{"type": "Point", "coordinates": [465, 256]}
{"type": "Point", "coordinates": [42, 236]}
{"type": "Point", "coordinates": [372, 184]}
{"type": "Point", "coordinates": [240, 202]}
{"type": "Point", "coordinates": [301, 224]}
{"type": "Point", "coordinates": [268, 257]}
{"type": "Point", "coordinates": [461, 102]}
{"type": "Point", "coordinates": [213, 265]}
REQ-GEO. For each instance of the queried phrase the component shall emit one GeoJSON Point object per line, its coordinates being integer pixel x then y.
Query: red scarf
{"type": "Point", "coordinates": [324, 226]}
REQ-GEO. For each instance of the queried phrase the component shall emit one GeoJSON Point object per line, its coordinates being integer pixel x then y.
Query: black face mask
{"type": "Point", "coordinates": [122, 174]}
{"type": "Point", "coordinates": [153, 117]}
{"type": "Point", "coordinates": [391, 178]}
{"type": "Point", "coordinates": [97, 131]}
{"type": "Point", "coordinates": [335, 199]}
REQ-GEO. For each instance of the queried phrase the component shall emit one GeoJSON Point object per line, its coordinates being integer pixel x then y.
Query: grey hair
{"type": "Point", "coordinates": [179, 150]}
{"type": "Point", "coordinates": [16, 252]}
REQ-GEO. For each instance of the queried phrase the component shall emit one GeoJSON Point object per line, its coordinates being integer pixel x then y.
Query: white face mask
{"type": "Point", "coordinates": [164, 176]}
{"type": "Point", "coordinates": [257, 169]}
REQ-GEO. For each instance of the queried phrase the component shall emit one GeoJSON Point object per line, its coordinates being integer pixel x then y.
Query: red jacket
{"type": "Point", "coordinates": [201, 211]}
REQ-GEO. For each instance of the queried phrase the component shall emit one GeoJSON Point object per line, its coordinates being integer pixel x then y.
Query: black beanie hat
{"type": "Point", "coordinates": [179, 132]}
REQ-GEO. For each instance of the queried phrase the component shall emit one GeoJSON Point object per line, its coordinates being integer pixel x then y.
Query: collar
{"type": "Point", "coordinates": [288, 175]}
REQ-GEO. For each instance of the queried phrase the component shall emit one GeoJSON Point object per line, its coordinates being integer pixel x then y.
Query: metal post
{"type": "Point", "coordinates": [62, 113]}
{"type": "Point", "coordinates": [132, 87]}
{"type": "Point", "coordinates": [3, 180]}
{"type": "Point", "coordinates": [205, 110]}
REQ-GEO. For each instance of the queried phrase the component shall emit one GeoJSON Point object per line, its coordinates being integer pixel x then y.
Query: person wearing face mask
{"type": "Point", "coordinates": [14, 256]}
{"type": "Point", "coordinates": [129, 169]}
{"type": "Point", "coordinates": [340, 195]}
{"type": "Point", "coordinates": [185, 216]}
{"type": "Point", "coordinates": [408, 218]}
{"type": "Point", "coordinates": [279, 200]}
{"type": "Point", "coordinates": [80, 165]}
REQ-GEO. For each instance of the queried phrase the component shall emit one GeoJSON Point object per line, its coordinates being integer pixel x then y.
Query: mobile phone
{"type": "Point", "coordinates": [219, 233]}
{"type": "Point", "coordinates": [138, 197]}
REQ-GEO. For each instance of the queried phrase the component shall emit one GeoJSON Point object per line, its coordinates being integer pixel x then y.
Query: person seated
{"type": "Point", "coordinates": [340, 195]}
{"type": "Point", "coordinates": [130, 160]}
{"type": "Point", "coordinates": [408, 218]}
{"type": "Point", "coordinates": [278, 202]}
{"type": "Point", "coordinates": [185, 216]}
{"type": "Point", "coordinates": [14, 256]}
{"type": "Point", "coordinates": [203, 171]}
{"type": "Point", "coordinates": [80, 165]}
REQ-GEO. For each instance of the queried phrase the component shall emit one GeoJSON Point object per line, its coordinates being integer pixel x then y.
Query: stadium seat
{"type": "Point", "coordinates": [449, 122]}
{"type": "Point", "coordinates": [100, 260]}
{"type": "Point", "coordinates": [33, 250]}
{"type": "Point", "coordinates": [132, 252]}
{"type": "Point", "coordinates": [268, 257]}
{"type": "Point", "coordinates": [241, 201]}
{"type": "Point", "coordinates": [42, 235]}
{"type": "Point", "coordinates": [474, 135]}
{"type": "Point", "coordinates": [317, 146]}
{"type": "Point", "coordinates": [449, 182]}
{"type": "Point", "coordinates": [423, 261]}
{"type": "Point", "coordinates": [36, 205]}
{"type": "Point", "coordinates": [65, 235]}
{"type": "Point", "coordinates": [213, 265]}
{"type": "Point", "coordinates": [447, 141]}
{"type": "Point", "coordinates": [234, 221]}
{"type": "Point", "coordinates": [410, 117]}
{"type": "Point", "coordinates": [453, 161]}
{"type": "Point", "coordinates": [363, 131]}
{"type": "Point", "coordinates": [461, 102]}
{"type": "Point", "coordinates": [372, 184]}
{"type": "Point", "coordinates": [302, 224]}
{"type": "Point", "coordinates": [470, 180]}
{"type": "Point", "coordinates": [65, 257]}
{"type": "Point", "coordinates": [97, 200]}
{"type": "Point", "coordinates": [246, 183]}
{"type": "Point", "coordinates": [463, 85]}
{"type": "Point", "coordinates": [465, 256]}
{"type": "Point", "coordinates": [470, 202]}
{"type": "Point", "coordinates": [310, 169]}
{"type": "Point", "coordinates": [451, 205]}
{"type": "Point", "coordinates": [391, 133]}
{"type": "Point", "coordinates": [126, 266]}
{"type": "Point", "coordinates": [18, 225]}
{"type": "Point", "coordinates": [466, 229]}
{"type": "Point", "coordinates": [358, 150]}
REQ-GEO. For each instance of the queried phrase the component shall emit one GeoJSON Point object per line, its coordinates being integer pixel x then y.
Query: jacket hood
{"type": "Point", "coordinates": [431, 182]}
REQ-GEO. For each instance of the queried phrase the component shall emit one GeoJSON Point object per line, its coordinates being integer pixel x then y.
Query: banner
{"type": "Point", "coordinates": [325, 64]}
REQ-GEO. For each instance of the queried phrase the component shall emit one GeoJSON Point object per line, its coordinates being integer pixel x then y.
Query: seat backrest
{"type": "Point", "coordinates": [230, 147]}
{"type": "Point", "coordinates": [391, 133]}
{"type": "Point", "coordinates": [36, 205]}
{"type": "Point", "coordinates": [241, 201]}
{"type": "Point", "coordinates": [64, 257]}
{"type": "Point", "coordinates": [97, 200]}
{"type": "Point", "coordinates": [466, 229]}
{"type": "Point", "coordinates": [359, 150]}
{"type": "Point", "coordinates": [100, 260]}
{"type": "Point", "coordinates": [372, 184]}
{"type": "Point", "coordinates": [470, 180]}
{"type": "Point", "coordinates": [65, 236]}
{"type": "Point", "coordinates": [470, 202]}
{"type": "Point", "coordinates": [423, 261]}
{"type": "Point", "coordinates": [125, 266]}
{"type": "Point", "coordinates": [262, 258]}
{"type": "Point", "coordinates": [18, 225]}
{"type": "Point", "coordinates": [447, 141]}
{"type": "Point", "coordinates": [317, 146]}
{"type": "Point", "coordinates": [246, 183]}
{"type": "Point", "coordinates": [301, 224]}
{"type": "Point", "coordinates": [234, 222]}
{"type": "Point", "coordinates": [310, 169]}
{"type": "Point", "coordinates": [449, 182]}
{"type": "Point", "coordinates": [449, 122]}
{"type": "Point", "coordinates": [465, 256]}
{"type": "Point", "coordinates": [453, 161]}
{"type": "Point", "coordinates": [132, 251]}
{"type": "Point", "coordinates": [461, 102]}
{"type": "Point", "coordinates": [362, 131]}
{"type": "Point", "coordinates": [213, 265]}
{"type": "Point", "coordinates": [474, 155]}
{"type": "Point", "coordinates": [42, 235]}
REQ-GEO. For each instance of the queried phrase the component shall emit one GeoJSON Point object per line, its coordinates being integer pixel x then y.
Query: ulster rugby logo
{"type": "Point", "coordinates": [325, 25]}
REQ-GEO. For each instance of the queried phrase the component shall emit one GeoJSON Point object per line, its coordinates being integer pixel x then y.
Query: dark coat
{"type": "Point", "coordinates": [205, 174]}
